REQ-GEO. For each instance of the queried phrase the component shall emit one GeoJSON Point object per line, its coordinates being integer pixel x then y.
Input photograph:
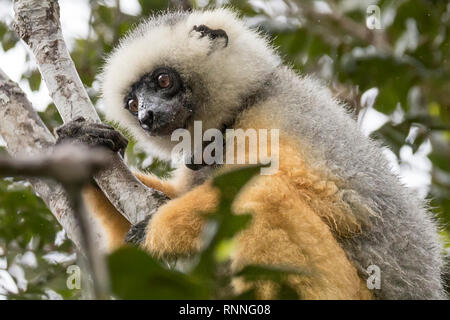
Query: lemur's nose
{"type": "Point", "coordinates": [146, 120]}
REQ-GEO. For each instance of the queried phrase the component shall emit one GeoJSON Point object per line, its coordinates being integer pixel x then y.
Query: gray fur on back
{"type": "Point", "coordinates": [401, 238]}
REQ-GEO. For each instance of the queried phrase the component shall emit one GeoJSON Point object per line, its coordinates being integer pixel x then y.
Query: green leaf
{"type": "Point", "coordinates": [136, 275]}
{"type": "Point", "coordinates": [8, 38]}
{"type": "Point", "coordinates": [106, 14]}
{"type": "Point", "coordinates": [51, 118]}
{"type": "Point", "coordinates": [230, 183]}
{"type": "Point", "coordinates": [149, 7]}
{"type": "Point", "coordinates": [223, 224]}
{"type": "Point", "coordinates": [274, 273]}
{"type": "Point", "coordinates": [35, 80]}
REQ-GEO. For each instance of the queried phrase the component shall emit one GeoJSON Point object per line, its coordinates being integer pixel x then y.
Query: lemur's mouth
{"type": "Point", "coordinates": [163, 119]}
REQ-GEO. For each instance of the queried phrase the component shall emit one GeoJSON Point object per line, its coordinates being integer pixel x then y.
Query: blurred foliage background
{"type": "Point", "coordinates": [391, 67]}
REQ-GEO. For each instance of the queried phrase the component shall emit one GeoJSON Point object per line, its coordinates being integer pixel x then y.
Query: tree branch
{"type": "Point", "coordinates": [73, 167]}
{"type": "Point", "coordinates": [26, 135]}
{"type": "Point", "coordinates": [37, 23]}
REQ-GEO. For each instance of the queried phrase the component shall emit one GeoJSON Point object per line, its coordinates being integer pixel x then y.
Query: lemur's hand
{"type": "Point", "coordinates": [137, 233]}
{"type": "Point", "coordinates": [91, 134]}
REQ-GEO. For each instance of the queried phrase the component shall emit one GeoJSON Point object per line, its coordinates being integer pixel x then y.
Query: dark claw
{"type": "Point", "coordinates": [91, 134]}
{"type": "Point", "coordinates": [137, 233]}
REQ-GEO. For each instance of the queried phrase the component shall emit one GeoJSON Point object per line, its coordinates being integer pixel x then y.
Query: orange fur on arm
{"type": "Point", "coordinates": [155, 183]}
{"type": "Point", "coordinates": [175, 228]}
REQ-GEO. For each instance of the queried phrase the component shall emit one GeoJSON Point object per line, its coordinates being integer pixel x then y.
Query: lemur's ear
{"type": "Point", "coordinates": [218, 37]}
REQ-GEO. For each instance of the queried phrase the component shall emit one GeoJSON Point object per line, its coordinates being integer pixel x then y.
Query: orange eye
{"type": "Point", "coordinates": [164, 81]}
{"type": "Point", "coordinates": [133, 105]}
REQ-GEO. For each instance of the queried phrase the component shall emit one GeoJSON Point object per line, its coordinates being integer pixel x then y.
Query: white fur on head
{"type": "Point", "coordinates": [228, 73]}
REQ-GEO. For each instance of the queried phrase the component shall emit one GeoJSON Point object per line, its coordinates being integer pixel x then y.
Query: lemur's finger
{"type": "Point", "coordinates": [94, 142]}
{"type": "Point", "coordinates": [120, 142]}
{"type": "Point", "coordinates": [79, 119]}
{"type": "Point", "coordinates": [70, 128]}
{"type": "Point", "coordinates": [137, 233]}
{"type": "Point", "coordinates": [92, 134]}
{"type": "Point", "coordinates": [103, 125]}
{"type": "Point", "coordinates": [79, 122]}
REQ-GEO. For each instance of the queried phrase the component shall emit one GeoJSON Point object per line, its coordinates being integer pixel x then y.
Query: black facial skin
{"type": "Point", "coordinates": [160, 109]}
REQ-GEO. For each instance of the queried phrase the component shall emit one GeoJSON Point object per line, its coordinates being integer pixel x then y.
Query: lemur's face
{"type": "Point", "coordinates": [160, 101]}
{"type": "Point", "coordinates": [179, 68]}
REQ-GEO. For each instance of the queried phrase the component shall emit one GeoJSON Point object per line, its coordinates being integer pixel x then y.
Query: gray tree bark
{"type": "Point", "coordinates": [26, 135]}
